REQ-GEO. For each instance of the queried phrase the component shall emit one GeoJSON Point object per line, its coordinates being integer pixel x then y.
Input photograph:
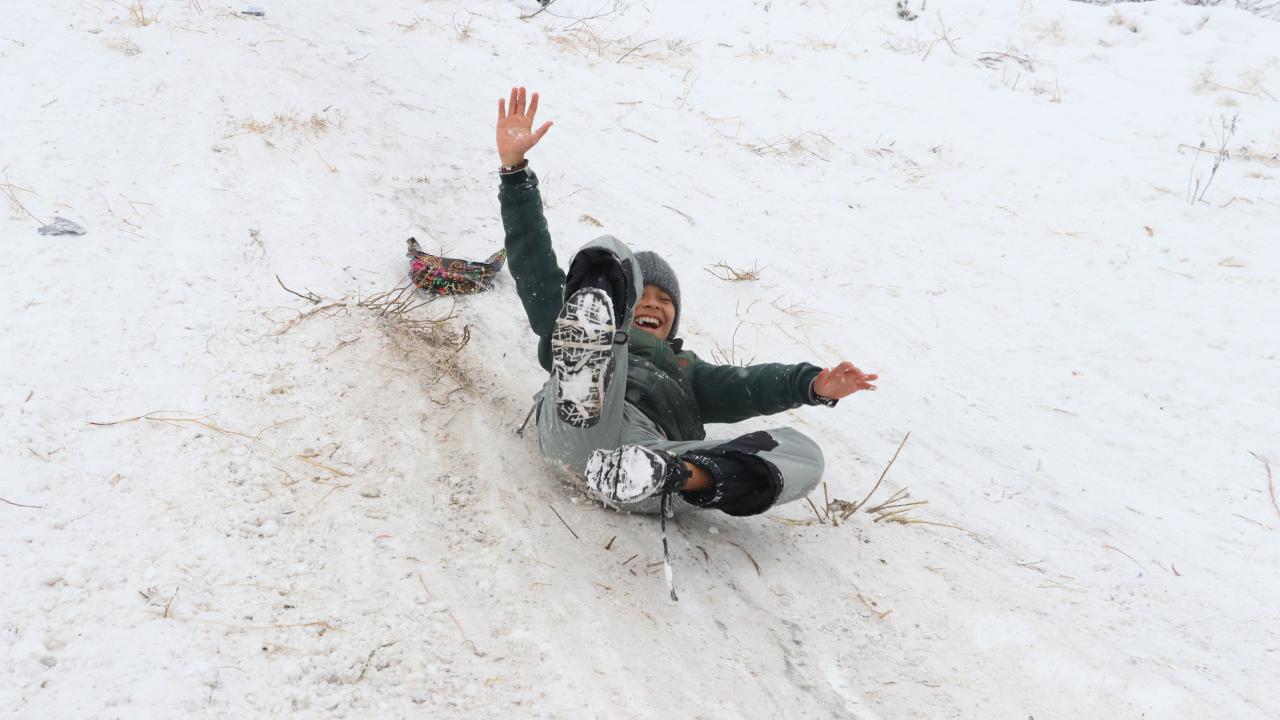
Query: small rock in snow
{"type": "Point", "coordinates": [62, 226]}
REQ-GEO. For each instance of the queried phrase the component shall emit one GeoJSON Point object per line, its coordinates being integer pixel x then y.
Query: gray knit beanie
{"type": "Point", "coordinates": [656, 271]}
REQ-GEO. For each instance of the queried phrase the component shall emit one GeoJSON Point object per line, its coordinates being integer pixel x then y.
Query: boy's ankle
{"type": "Point", "coordinates": [700, 479]}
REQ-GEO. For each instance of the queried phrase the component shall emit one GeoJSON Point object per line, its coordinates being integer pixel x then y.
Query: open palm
{"type": "Point", "coordinates": [843, 380]}
{"type": "Point", "coordinates": [515, 127]}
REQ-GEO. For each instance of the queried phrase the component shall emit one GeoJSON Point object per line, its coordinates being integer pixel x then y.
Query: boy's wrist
{"type": "Point", "coordinates": [515, 175]}
{"type": "Point", "coordinates": [818, 399]}
{"type": "Point", "coordinates": [513, 164]}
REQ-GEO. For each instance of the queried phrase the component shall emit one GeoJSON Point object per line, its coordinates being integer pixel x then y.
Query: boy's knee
{"type": "Point", "coordinates": [800, 446]}
{"type": "Point", "coordinates": [801, 461]}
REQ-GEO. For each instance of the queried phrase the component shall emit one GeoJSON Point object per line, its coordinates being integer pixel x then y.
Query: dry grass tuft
{"type": "Point", "coordinates": [906, 46]}
{"type": "Point", "coordinates": [1052, 31]}
{"type": "Point", "coordinates": [1197, 185]}
{"type": "Point", "coordinates": [15, 203]}
{"type": "Point", "coordinates": [993, 59]}
{"type": "Point", "coordinates": [409, 26]}
{"type": "Point", "coordinates": [724, 271]}
{"type": "Point", "coordinates": [798, 310]}
{"type": "Point", "coordinates": [430, 342]}
{"type": "Point", "coordinates": [679, 46]}
{"type": "Point", "coordinates": [316, 124]}
{"type": "Point", "coordinates": [806, 143]}
{"type": "Point", "coordinates": [462, 30]}
{"type": "Point", "coordinates": [732, 355]}
{"type": "Point", "coordinates": [583, 40]}
{"type": "Point", "coordinates": [1121, 21]}
{"type": "Point", "coordinates": [896, 509]}
{"type": "Point", "coordinates": [138, 14]}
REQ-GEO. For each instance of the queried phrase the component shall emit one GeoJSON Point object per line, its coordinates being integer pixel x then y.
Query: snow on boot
{"type": "Point", "coordinates": [582, 356]}
{"type": "Point", "coordinates": [633, 472]}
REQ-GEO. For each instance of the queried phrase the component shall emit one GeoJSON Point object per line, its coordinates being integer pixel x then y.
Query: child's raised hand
{"type": "Point", "coordinates": [843, 380]}
{"type": "Point", "coordinates": [515, 127]}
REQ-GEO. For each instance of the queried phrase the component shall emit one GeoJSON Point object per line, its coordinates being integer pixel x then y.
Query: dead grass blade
{"type": "Point", "coordinates": [755, 564]}
{"type": "Point", "coordinates": [871, 605]}
{"type": "Point", "coordinates": [154, 416]}
{"type": "Point", "coordinates": [1135, 560]}
{"type": "Point", "coordinates": [566, 525]}
{"type": "Point", "coordinates": [637, 47]}
{"type": "Point", "coordinates": [310, 313]}
{"type": "Point", "coordinates": [815, 511]}
{"type": "Point", "coordinates": [309, 297]}
{"type": "Point", "coordinates": [309, 458]}
{"type": "Point", "coordinates": [1271, 485]}
{"type": "Point", "coordinates": [369, 659]}
{"type": "Point", "coordinates": [882, 474]}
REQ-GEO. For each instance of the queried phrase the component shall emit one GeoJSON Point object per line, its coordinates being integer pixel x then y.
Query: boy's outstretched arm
{"type": "Point", "coordinates": [729, 393]}
{"type": "Point", "coordinates": [532, 261]}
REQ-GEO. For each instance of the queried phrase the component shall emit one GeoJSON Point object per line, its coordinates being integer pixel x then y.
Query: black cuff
{"type": "Point", "coordinates": [742, 483]}
{"type": "Point", "coordinates": [519, 176]}
{"type": "Point", "coordinates": [816, 399]}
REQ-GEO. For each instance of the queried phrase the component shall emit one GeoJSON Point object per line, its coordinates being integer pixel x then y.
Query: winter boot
{"type": "Point", "coordinates": [582, 356]}
{"type": "Point", "coordinates": [598, 297]}
{"type": "Point", "coordinates": [634, 472]}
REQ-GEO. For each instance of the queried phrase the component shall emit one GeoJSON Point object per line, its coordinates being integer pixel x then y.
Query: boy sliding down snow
{"type": "Point", "coordinates": [625, 403]}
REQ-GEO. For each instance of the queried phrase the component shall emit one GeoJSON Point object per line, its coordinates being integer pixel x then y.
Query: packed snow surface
{"type": "Point", "coordinates": [1051, 228]}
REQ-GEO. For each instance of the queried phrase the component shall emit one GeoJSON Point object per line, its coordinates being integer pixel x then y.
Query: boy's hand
{"type": "Point", "coordinates": [842, 381]}
{"type": "Point", "coordinates": [515, 127]}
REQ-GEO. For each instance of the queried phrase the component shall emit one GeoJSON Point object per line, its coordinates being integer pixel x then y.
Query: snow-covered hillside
{"type": "Point", "coordinates": [223, 500]}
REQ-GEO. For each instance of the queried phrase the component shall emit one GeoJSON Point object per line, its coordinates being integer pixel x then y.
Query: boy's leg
{"type": "Point", "coordinates": [753, 472]}
{"type": "Point", "coordinates": [581, 411]}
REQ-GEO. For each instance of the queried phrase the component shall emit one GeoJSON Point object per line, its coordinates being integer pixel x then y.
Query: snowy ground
{"type": "Point", "coordinates": [988, 205]}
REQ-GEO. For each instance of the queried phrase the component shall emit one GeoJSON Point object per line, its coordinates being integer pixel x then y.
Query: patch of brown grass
{"type": "Point", "coordinates": [315, 124]}
{"type": "Point", "coordinates": [138, 14]}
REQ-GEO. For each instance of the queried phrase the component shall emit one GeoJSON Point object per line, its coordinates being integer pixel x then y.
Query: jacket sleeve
{"type": "Point", "coordinates": [530, 257]}
{"type": "Point", "coordinates": [730, 393]}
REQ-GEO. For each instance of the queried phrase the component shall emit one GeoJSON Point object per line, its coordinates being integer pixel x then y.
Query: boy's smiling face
{"type": "Point", "coordinates": [655, 312]}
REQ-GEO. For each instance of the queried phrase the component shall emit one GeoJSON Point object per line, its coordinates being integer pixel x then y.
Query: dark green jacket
{"type": "Point", "coordinates": [670, 385]}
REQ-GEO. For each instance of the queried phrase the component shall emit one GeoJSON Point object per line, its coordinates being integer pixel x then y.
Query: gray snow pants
{"type": "Point", "coordinates": [797, 457]}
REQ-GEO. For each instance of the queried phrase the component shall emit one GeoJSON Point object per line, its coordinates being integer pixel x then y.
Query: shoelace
{"type": "Point", "coordinates": [666, 509]}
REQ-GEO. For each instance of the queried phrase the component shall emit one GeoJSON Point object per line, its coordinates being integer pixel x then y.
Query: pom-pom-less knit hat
{"type": "Point", "coordinates": [656, 271]}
